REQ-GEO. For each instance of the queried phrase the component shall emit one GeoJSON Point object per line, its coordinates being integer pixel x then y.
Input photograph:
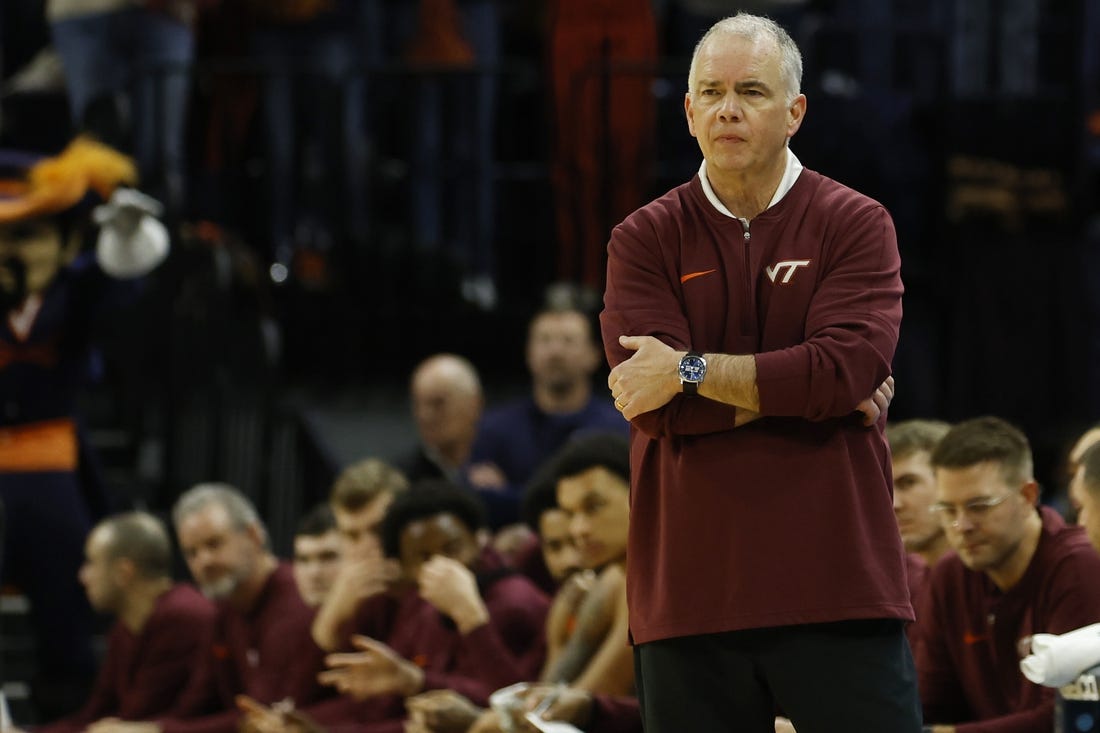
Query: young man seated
{"type": "Point", "coordinates": [587, 636]}
{"type": "Point", "coordinates": [1018, 570]}
{"type": "Point", "coordinates": [359, 498]}
{"type": "Point", "coordinates": [464, 621]}
{"type": "Point", "coordinates": [318, 548]}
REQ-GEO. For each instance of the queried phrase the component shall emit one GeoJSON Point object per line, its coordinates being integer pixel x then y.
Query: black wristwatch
{"type": "Point", "coordinates": [693, 368]}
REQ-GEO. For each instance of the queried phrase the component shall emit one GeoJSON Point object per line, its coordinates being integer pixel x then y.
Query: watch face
{"type": "Point", "coordinates": [693, 369]}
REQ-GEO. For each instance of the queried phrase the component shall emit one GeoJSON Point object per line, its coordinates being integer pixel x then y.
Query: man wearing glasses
{"type": "Point", "coordinates": [1017, 570]}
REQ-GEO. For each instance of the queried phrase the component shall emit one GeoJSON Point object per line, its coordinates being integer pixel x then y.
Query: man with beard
{"type": "Point", "coordinates": [516, 438]}
{"type": "Point", "coordinates": [261, 646]}
{"type": "Point", "coordinates": [1019, 571]}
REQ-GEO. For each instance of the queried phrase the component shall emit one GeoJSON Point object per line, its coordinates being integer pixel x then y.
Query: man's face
{"type": "Point", "coordinates": [441, 534]}
{"type": "Point", "coordinates": [316, 565]}
{"type": "Point", "coordinates": [598, 503]}
{"type": "Point", "coordinates": [560, 351]}
{"type": "Point", "coordinates": [1086, 501]}
{"type": "Point", "coordinates": [36, 244]}
{"type": "Point", "coordinates": [914, 493]}
{"type": "Point", "coordinates": [984, 537]}
{"type": "Point", "coordinates": [446, 407]}
{"type": "Point", "coordinates": [738, 109]}
{"type": "Point", "coordinates": [359, 527]}
{"type": "Point", "coordinates": [559, 551]}
{"type": "Point", "coordinates": [221, 557]}
{"type": "Point", "coordinates": [97, 574]}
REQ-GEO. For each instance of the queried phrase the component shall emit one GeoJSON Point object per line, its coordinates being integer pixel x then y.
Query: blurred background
{"type": "Point", "coordinates": [353, 185]}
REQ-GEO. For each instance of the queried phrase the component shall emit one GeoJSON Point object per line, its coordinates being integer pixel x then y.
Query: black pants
{"type": "Point", "coordinates": [845, 677]}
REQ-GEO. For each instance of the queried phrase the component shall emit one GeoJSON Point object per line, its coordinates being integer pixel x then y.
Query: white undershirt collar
{"type": "Point", "coordinates": [790, 175]}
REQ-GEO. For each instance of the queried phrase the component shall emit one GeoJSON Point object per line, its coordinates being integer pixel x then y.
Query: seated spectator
{"type": "Point", "coordinates": [1017, 571]}
{"type": "Point", "coordinates": [593, 488]}
{"type": "Point", "coordinates": [447, 401]}
{"type": "Point", "coordinates": [159, 629]}
{"type": "Point", "coordinates": [468, 624]}
{"type": "Point", "coordinates": [359, 499]}
{"type": "Point", "coordinates": [516, 438]}
{"type": "Point", "coordinates": [554, 557]}
{"type": "Point", "coordinates": [317, 547]}
{"type": "Point", "coordinates": [261, 645]}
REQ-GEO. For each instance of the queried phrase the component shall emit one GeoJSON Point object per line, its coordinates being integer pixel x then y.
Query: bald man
{"type": "Point", "coordinates": [447, 401]}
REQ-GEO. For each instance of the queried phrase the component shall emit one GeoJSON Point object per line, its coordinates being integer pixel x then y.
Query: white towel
{"type": "Point", "coordinates": [1058, 659]}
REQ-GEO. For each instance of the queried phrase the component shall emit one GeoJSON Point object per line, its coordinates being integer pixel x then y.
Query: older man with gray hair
{"type": "Point", "coordinates": [261, 647]}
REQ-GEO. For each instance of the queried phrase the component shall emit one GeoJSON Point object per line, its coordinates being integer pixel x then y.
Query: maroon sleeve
{"type": "Point", "coordinates": [508, 649]}
{"type": "Point", "coordinates": [373, 617]}
{"type": "Point", "coordinates": [172, 644]}
{"type": "Point", "coordinates": [940, 688]}
{"type": "Point", "coordinates": [200, 697]}
{"type": "Point", "coordinates": [640, 301]}
{"type": "Point", "coordinates": [851, 327]}
{"type": "Point", "coordinates": [290, 663]}
{"type": "Point", "coordinates": [198, 706]}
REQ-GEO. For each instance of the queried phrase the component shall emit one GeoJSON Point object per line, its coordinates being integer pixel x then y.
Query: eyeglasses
{"type": "Point", "coordinates": [975, 510]}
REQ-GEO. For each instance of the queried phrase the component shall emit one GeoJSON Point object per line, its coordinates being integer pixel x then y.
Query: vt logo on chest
{"type": "Point", "coordinates": [785, 270]}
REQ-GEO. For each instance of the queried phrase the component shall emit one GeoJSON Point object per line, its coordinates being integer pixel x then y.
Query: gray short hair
{"type": "Point", "coordinates": [242, 513]}
{"type": "Point", "coordinates": [755, 27]}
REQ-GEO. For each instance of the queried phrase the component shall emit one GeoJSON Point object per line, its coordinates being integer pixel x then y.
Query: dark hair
{"type": "Point", "coordinates": [912, 436]}
{"type": "Point", "coordinates": [242, 512]}
{"type": "Point", "coordinates": [983, 439]}
{"type": "Point", "coordinates": [610, 451]}
{"type": "Point", "coordinates": [425, 499]}
{"type": "Point", "coordinates": [318, 521]}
